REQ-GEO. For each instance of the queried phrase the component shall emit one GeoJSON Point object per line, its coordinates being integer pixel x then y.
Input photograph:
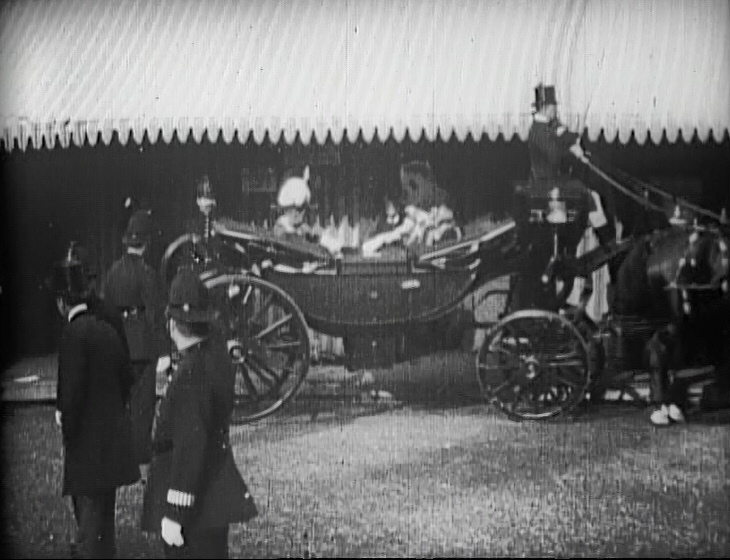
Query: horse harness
{"type": "Point", "coordinates": [688, 263]}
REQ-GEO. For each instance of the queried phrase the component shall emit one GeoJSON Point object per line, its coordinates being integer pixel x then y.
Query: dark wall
{"type": "Point", "coordinates": [50, 197]}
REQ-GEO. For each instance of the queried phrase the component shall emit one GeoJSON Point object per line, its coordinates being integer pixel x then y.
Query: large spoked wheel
{"type": "Point", "coordinates": [187, 251]}
{"type": "Point", "coordinates": [268, 343]}
{"type": "Point", "coordinates": [533, 365]}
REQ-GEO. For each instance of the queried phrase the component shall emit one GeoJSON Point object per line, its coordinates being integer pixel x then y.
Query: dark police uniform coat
{"type": "Point", "coordinates": [132, 286]}
{"type": "Point", "coordinates": [193, 476]}
{"type": "Point", "coordinates": [94, 381]}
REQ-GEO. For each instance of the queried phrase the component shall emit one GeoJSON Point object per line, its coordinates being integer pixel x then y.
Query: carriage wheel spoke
{"type": "Point", "coordinates": [492, 393]}
{"type": "Point", "coordinates": [265, 373]}
{"type": "Point", "coordinates": [279, 346]}
{"type": "Point", "coordinates": [505, 351]}
{"type": "Point", "coordinates": [271, 328]}
{"type": "Point", "coordinates": [576, 363]}
{"type": "Point", "coordinates": [243, 372]}
{"type": "Point", "coordinates": [264, 306]}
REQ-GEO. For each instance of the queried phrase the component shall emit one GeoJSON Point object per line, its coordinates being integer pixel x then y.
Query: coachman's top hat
{"type": "Point", "coordinates": [544, 95]}
{"type": "Point", "coordinates": [189, 301]}
{"type": "Point", "coordinates": [139, 229]}
{"type": "Point", "coordinates": [70, 276]}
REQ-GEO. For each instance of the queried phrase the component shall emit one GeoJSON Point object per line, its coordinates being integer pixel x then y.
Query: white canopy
{"type": "Point", "coordinates": [74, 70]}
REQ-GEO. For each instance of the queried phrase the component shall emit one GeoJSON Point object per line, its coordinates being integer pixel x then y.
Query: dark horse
{"type": "Point", "coordinates": [677, 280]}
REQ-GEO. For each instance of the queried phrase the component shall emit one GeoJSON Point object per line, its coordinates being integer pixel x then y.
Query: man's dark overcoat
{"type": "Point", "coordinates": [94, 381]}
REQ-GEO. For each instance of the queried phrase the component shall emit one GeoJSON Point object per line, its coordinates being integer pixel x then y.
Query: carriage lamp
{"type": "Point", "coordinates": [205, 196]}
{"type": "Point", "coordinates": [557, 213]}
{"type": "Point", "coordinates": [677, 219]}
{"type": "Point", "coordinates": [235, 350]}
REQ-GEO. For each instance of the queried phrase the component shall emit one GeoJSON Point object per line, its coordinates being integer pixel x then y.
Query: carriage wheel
{"type": "Point", "coordinates": [267, 340]}
{"type": "Point", "coordinates": [187, 251]}
{"type": "Point", "coordinates": [533, 365]}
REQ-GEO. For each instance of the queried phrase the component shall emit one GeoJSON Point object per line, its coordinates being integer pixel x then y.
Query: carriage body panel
{"type": "Point", "coordinates": [373, 294]}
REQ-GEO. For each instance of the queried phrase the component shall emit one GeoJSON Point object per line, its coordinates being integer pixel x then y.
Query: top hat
{"type": "Point", "coordinates": [70, 276]}
{"type": "Point", "coordinates": [189, 301]}
{"type": "Point", "coordinates": [544, 95]}
{"type": "Point", "coordinates": [139, 229]}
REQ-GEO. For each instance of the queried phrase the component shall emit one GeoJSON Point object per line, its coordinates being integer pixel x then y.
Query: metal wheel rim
{"type": "Point", "coordinates": [549, 381]}
{"type": "Point", "coordinates": [257, 341]}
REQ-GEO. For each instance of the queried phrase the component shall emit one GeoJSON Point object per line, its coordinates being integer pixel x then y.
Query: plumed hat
{"type": "Point", "coordinates": [189, 300]}
{"type": "Point", "coordinates": [295, 193]}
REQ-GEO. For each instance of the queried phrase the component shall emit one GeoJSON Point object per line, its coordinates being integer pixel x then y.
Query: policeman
{"type": "Point", "coordinates": [132, 286]}
{"type": "Point", "coordinates": [94, 382]}
{"type": "Point", "coordinates": [195, 489]}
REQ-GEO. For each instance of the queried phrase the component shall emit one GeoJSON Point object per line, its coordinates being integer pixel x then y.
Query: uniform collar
{"type": "Point", "coordinates": [541, 118]}
{"type": "Point", "coordinates": [77, 310]}
{"type": "Point", "coordinates": [191, 346]}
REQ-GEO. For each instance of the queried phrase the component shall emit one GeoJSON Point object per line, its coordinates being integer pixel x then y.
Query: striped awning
{"type": "Point", "coordinates": [78, 70]}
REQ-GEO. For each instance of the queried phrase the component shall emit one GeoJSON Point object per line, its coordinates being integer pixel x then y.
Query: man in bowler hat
{"type": "Point", "coordinates": [195, 490]}
{"type": "Point", "coordinates": [132, 286]}
{"type": "Point", "coordinates": [94, 381]}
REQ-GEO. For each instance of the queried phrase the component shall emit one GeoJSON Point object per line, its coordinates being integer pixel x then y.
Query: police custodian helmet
{"type": "Point", "coordinates": [189, 301]}
{"type": "Point", "coordinates": [139, 229]}
{"type": "Point", "coordinates": [70, 277]}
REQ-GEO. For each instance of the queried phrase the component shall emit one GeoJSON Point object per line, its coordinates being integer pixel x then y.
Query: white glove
{"type": "Point", "coordinates": [577, 151]}
{"type": "Point", "coordinates": [163, 364]}
{"type": "Point", "coordinates": [331, 243]}
{"type": "Point", "coordinates": [561, 130]}
{"type": "Point", "coordinates": [172, 532]}
{"type": "Point", "coordinates": [58, 418]}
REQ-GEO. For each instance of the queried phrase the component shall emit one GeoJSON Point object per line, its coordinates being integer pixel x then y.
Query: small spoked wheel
{"type": "Point", "coordinates": [267, 340]}
{"type": "Point", "coordinates": [533, 365]}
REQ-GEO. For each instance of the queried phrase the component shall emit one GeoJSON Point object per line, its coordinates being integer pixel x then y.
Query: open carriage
{"type": "Point", "coordinates": [538, 360]}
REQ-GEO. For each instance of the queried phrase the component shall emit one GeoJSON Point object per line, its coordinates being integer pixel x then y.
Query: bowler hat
{"type": "Point", "coordinates": [189, 301]}
{"type": "Point", "coordinates": [139, 229]}
{"type": "Point", "coordinates": [544, 95]}
{"type": "Point", "coordinates": [70, 277]}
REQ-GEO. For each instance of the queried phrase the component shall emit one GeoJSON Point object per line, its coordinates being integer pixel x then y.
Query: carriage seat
{"type": "Point", "coordinates": [292, 251]}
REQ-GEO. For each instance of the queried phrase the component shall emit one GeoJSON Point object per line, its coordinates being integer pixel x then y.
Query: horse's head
{"type": "Point", "coordinates": [703, 270]}
{"type": "Point", "coordinates": [719, 259]}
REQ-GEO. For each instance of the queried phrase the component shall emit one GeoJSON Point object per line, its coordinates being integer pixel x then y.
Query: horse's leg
{"type": "Point", "coordinates": [716, 395]}
{"type": "Point", "coordinates": [664, 393]}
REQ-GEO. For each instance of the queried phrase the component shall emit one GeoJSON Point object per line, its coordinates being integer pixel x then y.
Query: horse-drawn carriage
{"type": "Point", "coordinates": [538, 360]}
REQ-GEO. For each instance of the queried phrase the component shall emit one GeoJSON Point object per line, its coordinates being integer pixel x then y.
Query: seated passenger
{"type": "Point", "coordinates": [293, 199]}
{"type": "Point", "coordinates": [426, 219]}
